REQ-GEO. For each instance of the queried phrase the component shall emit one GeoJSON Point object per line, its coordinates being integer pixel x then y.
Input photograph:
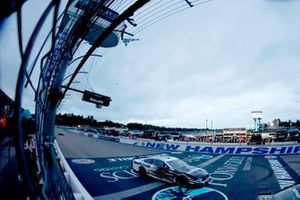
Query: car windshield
{"type": "Point", "coordinates": [179, 165]}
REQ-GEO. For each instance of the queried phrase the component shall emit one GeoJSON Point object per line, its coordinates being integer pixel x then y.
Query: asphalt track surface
{"type": "Point", "coordinates": [73, 145]}
{"type": "Point", "coordinates": [104, 169]}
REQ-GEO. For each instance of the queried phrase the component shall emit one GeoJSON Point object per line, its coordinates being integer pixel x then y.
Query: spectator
{"type": "Point", "coordinates": [3, 126]}
{"type": "Point", "coordinates": [3, 121]}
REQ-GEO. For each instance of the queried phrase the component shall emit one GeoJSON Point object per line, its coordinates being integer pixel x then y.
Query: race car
{"type": "Point", "coordinates": [171, 169]}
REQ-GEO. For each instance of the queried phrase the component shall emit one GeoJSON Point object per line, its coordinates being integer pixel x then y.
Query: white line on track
{"type": "Point", "coordinates": [205, 164]}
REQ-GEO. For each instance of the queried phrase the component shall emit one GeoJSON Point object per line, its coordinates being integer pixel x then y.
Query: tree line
{"type": "Point", "coordinates": [78, 120]}
{"type": "Point", "coordinates": [69, 119]}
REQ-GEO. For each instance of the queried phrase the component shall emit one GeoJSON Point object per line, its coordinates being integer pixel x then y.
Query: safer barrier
{"type": "Point", "coordinates": [232, 149]}
{"type": "Point", "coordinates": [79, 191]}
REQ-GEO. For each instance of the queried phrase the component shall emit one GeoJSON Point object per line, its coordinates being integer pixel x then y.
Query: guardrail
{"type": "Point", "coordinates": [79, 191]}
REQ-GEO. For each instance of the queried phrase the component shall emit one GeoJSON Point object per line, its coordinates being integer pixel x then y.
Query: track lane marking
{"type": "Point", "coordinates": [209, 162]}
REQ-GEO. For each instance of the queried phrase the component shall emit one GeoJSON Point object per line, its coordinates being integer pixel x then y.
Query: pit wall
{"type": "Point", "coordinates": [218, 148]}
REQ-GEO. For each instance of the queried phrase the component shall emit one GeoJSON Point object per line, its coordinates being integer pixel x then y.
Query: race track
{"type": "Point", "coordinates": [74, 145]}
{"type": "Point", "coordinates": [104, 169]}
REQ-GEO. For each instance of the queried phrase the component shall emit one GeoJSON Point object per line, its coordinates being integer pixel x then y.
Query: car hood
{"type": "Point", "coordinates": [197, 172]}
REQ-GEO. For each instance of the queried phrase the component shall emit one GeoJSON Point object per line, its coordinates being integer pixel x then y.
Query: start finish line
{"type": "Point", "coordinates": [215, 149]}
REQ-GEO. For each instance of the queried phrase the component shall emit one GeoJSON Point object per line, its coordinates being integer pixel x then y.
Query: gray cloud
{"type": "Point", "coordinates": [217, 62]}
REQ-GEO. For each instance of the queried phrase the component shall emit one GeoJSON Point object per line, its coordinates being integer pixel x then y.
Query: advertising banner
{"type": "Point", "coordinates": [218, 149]}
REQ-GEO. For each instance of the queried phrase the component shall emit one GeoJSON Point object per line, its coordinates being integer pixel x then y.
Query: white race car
{"type": "Point", "coordinates": [170, 169]}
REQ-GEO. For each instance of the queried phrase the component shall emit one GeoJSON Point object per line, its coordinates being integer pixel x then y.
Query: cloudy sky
{"type": "Point", "coordinates": [215, 62]}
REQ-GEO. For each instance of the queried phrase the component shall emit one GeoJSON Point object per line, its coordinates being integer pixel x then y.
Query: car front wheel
{"type": "Point", "coordinates": [142, 171]}
{"type": "Point", "coordinates": [182, 181]}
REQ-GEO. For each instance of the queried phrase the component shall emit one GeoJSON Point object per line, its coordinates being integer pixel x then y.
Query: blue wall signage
{"type": "Point", "coordinates": [219, 149]}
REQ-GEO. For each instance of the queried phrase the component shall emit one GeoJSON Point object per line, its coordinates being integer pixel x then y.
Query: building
{"type": "Point", "coordinates": [235, 135]}
{"type": "Point", "coordinates": [257, 117]}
